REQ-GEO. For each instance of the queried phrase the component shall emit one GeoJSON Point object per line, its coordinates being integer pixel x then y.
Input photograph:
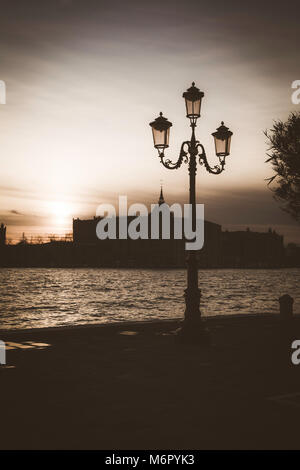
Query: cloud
{"type": "Point", "coordinates": [15, 212]}
{"type": "Point", "coordinates": [83, 78]}
{"type": "Point", "coordinates": [16, 219]}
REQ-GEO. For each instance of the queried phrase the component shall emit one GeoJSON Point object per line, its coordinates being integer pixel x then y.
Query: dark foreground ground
{"type": "Point", "coordinates": [132, 386]}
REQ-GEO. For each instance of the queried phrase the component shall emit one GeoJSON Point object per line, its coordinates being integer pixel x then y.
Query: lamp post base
{"type": "Point", "coordinates": [193, 328]}
{"type": "Point", "coordinates": [194, 334]}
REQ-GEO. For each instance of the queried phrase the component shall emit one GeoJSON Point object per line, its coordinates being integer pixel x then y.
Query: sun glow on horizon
{"type": "Point", "coordinates": [61, 211]}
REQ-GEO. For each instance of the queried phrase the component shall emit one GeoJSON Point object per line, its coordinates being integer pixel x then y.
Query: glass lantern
{"type": "Point", "coordinates": [193, 97]}
{"type": "Point", "coordinates": [222, 138]}
{"type": "Point", "coordinates": [161, 132]}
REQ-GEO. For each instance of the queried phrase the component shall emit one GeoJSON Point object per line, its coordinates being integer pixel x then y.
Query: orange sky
{"type": "Point", "coordinates": [84, 79]}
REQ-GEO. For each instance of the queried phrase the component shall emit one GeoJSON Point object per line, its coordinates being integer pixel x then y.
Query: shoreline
{"type": "Point", "coordinates": [157, 268]}
{"type": "Point", "coordinates": [155, 322]}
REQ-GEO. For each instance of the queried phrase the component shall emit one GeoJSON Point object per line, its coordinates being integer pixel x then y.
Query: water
{"type": "Point", "coordinates": [35, 298]}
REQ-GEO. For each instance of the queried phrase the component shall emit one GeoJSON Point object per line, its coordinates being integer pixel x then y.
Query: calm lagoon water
{"type": "Point", "coordinates": [35, 298]}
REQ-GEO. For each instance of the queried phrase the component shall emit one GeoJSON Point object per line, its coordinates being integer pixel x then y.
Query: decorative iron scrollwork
{"type": "Point", "coordinates": [183, 157]}
{"type": "Point", "coordinates": [197, 150]}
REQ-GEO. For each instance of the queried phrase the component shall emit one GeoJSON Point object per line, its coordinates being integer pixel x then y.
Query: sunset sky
{"type": "Point", "coordinates": [84, 78]}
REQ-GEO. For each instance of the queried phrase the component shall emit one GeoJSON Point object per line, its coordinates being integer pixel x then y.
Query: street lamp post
{"type": "Point", "coordinates": [191, 151]}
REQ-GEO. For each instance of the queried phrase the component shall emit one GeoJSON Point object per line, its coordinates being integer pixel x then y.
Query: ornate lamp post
{"type": "Point", "coordinates": [190, 152]}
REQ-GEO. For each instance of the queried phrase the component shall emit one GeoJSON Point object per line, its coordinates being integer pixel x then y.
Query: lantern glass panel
{"type": "Point", "coordinates": [161, 138]}
{"type": "Point", "coordinates": [220, 145]}
{"type": "Point", "coordinates": [193, 108]}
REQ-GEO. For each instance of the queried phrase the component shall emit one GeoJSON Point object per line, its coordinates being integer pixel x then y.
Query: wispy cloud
{"type": "Point", "coordinates": [84, 78]}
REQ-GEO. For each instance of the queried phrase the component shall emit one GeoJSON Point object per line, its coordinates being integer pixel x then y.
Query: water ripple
{"type": "Point", "coordinates": [33, 298]}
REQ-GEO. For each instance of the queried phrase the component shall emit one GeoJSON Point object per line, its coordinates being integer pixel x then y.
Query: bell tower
{"type": "Point", "coordinates": [2, 235]}
{"type": "Point", "coordinates": [161, 197]}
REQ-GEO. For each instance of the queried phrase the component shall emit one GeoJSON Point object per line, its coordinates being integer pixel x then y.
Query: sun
{"type": "Point", "coordinates": [60, 211]}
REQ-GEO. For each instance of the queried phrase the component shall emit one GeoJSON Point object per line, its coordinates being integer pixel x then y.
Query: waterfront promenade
{"type": "Point", "coordinates": [132, 385]}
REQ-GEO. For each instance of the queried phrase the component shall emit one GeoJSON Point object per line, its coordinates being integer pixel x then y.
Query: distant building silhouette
{"type": "Point", "coordinates": [2, 234]}
{"type": "Point", "coordinates": [293, 255]}
{"type": "Point", "coordinates": [147, 253]}
{"type": "Point", "coordinates": [252, 249]}
{"type": "Point", "coordinates": [238, 249]}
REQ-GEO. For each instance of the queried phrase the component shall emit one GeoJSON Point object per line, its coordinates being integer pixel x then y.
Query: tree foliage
{"type": "Point", "coordinates": [284, 156]}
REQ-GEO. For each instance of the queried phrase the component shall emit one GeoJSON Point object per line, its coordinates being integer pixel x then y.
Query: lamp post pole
{"type": "Point", "coordinates": [192, 293]}
{"type": "Point", "coordinates": [191, 151]}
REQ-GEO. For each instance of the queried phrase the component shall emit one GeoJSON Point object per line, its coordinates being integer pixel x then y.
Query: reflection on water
{"type": "Point", "coordinates": [34, 298]}
{"type": "Point", "coordinates": [11, 345]}
{"type": "Point", "coordinates": [128, 333]}
{"type": "Point", "coordinates": [25, 345]}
